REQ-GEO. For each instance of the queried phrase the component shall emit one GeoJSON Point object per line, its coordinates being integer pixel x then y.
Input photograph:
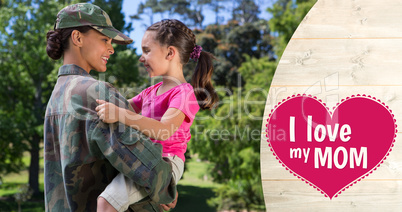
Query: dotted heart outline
{"type": "Point", "coordinates": [330, 112]}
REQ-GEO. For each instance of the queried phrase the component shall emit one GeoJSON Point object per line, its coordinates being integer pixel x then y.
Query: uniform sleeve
{"type": "Point", "coordinates": [184, 100]}
{"type": "Point", "coordinates": [132, 153]}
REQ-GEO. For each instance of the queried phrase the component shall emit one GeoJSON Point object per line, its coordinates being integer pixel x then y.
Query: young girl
{"type": "Point", "coordinates": [82, 155]}
{"type": "Point", "coordinates": [169, 107]}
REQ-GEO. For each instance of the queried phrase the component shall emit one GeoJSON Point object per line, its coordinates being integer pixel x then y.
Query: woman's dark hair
{"type": "Point", "coordinates": [57, 40]}
{"type": "Point", "coordinates": [171, 32]}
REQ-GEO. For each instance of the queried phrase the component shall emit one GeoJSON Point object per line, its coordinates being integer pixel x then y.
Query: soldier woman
{"type": "Point", "coordinates": [83, 154]}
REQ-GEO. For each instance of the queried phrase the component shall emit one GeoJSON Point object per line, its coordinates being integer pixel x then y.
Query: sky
{"type": "Point", "coordinates": [130, 8]}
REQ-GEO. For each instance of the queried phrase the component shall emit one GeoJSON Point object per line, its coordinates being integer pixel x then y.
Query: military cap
{"type": "Point", "coordinates": [85, 14]}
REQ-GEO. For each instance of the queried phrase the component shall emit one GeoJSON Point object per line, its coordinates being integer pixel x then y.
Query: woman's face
{"type": "Point", "coordinates": [154, 55]}
{"type": "Point", "coordinates": [96, 50]}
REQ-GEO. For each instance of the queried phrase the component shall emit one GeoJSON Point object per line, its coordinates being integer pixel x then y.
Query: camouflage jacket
{"type": "Point", "coordinates": [83, 154]}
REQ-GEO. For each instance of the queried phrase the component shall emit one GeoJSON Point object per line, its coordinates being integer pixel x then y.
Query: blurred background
{"type": "Point", "coordinates": [222, 170]}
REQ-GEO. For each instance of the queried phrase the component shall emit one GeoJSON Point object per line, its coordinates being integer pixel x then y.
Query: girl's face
{"type": "Point", "coordinates": [154, 55]}
{"type": "Point", "coordinates": [96, 50]}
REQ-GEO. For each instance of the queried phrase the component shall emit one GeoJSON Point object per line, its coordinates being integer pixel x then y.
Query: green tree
{"type": "Point", "coordinates": [113, 9]}
{"type": "Point", "coordinates": [230, 42]}
{"type": "Point", "coordinates": [149, 8]}
{"type": "Point", "coordinates": [246, 11]}
{"type": "Point", "coordinates": [229, 137]}
{"type": "Point", "coordinates": [28, 75]}
{"type": "Point", "coordinates": [217, 6]}
{"type": "Point", "coordinates": [190, 11]}
{"type": "Point", "coordinates": [27, 78]}
{"type": "Point", "coordinates": [161, 7]}
{"type": "Point", "coordinates": [287, 15]}
{"type": "Point", "coordinates": [195, 14]}
{"type": "Point", "coordinates": [171, 7]}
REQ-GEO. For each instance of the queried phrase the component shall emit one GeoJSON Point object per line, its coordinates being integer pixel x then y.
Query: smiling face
{"type": "Point", "coordinates": [154, 55]}
{"type": "Point", "coordinates": [96, 51]}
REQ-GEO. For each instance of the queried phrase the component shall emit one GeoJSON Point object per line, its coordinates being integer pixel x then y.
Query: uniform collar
{"type": "Point", "coordinates": [72, 69]}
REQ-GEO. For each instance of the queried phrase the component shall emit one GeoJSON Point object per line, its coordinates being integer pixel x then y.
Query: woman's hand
{"type": "Point", "coordinates": [107, 112]}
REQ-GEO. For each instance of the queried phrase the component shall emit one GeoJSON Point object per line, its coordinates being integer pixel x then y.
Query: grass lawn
{"type": "Point", "coordinates": [194, 189]}
{"type": "Point", "coordinates": [11, 185]}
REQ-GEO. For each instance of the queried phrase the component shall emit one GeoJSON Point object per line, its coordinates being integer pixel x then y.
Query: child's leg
{"type": "Point", "coordinates": [122, 191]}
{"type": "Point", "coordinates": [177, 168]}
{"type": "Point", "coordinates": [103, 205]}
{"type": "Point", "coordinates": [119, 194]}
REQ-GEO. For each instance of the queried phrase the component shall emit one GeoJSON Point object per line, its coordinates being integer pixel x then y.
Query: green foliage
{"type": "Point", "coordinates": [191, 11]}
{"type": "Point", "coordinates": [113, 9]}
{"type": "Point", "coordinates": [29, 206]}
{"type": "Point", "coordinates": [217, 6]}
{"type": "Point", "coordinates": [229, 136]}
{"type": "Point", "coordinates": [10, 159]}
{"type": "Point", "coordinates": [24, 194]}
{"type": "Point", "coordinates": [246, 11]}
{"type": "Point", "coordinates": [243, 11]}
{"type": "Point", "coordinates": [25, 83]}
{"type": "Point", "coordinates": [287, 15]}
{"type": "Point", "coordinates": [230, 43]}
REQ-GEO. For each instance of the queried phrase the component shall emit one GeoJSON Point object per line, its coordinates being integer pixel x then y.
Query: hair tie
{"type": "Point", "coordinates": [196, 52]}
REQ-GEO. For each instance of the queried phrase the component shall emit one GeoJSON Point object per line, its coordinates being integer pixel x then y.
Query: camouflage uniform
{"type": "Point", "coordinates": [83, 154]}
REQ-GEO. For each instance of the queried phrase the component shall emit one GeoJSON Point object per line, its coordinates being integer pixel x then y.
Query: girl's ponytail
{"type": "Point", "coordinates": [201, 80]}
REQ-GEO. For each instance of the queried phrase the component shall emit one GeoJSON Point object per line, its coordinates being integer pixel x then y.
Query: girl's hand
{"type": "Point", "coordinates": [107, 112]}
{"type": "Point", "coordinates": [167, 207]}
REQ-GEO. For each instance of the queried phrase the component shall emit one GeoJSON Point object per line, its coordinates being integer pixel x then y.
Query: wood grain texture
{"type": "Point", "coordinates": [341, 48]}
{"type": "Point", "coordinates": [356, 19]}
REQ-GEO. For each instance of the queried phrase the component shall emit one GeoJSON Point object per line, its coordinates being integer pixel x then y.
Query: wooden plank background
{"type": "Point", "coordinates": [341, 48]}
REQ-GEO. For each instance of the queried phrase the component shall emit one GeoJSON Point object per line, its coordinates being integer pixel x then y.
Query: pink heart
{"type": "Point", "coordinates": [358, 137]}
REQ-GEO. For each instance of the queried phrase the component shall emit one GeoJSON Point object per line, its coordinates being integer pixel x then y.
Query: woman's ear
{"type": "Point", "coordinates": [76, 38]}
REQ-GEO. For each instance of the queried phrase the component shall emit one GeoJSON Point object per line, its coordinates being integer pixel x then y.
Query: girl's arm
{"type": "Point", "coordinates": [159, 130]}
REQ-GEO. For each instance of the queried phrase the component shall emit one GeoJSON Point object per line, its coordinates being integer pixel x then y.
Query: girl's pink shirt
{"type": "Point", "coordinates": [154, 106]}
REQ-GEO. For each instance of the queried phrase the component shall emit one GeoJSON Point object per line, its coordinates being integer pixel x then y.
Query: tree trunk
{"type": "Point", "coordinates": [36, 138]}
{"type": "Point", "coordinates": [34, 166]}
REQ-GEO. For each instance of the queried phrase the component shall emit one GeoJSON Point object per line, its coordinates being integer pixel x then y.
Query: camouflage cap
{"type": "Point", "coordinates": [85, 14]}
